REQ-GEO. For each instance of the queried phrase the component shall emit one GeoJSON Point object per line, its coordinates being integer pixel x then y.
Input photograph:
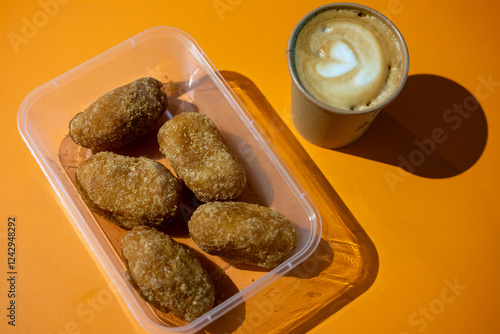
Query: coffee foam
{"type": "Point", "coordinates": [348, 59]}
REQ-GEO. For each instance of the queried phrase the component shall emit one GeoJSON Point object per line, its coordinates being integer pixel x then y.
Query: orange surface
{"type": "Point", "coordinates": [434, 228]}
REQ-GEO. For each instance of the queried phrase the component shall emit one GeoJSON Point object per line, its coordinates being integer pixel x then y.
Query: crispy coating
{"type": "Point", "coordinates": [166, 274]}
{"type": "Point", "coordinates": [201, 158]}
{"type": "Point", "coordinates": [243, 233]}
{"type": "Point", "coordinates": [128, 191]}
{"type": "Point", "coordinates": [120, 116]}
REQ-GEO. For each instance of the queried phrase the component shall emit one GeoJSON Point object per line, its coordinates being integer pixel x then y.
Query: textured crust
{"type": "Point", "coordinates": [120, 116]}
{"type": "Point", "coordinates": [243, 233]}
{"type": "Point", "coordinates": [166, 274]}
{"type": "Point", "coordinates": [201, 158]}
{"type": "Point", "coordinates": [128, 191]}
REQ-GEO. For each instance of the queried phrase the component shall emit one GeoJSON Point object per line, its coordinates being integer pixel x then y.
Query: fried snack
{"type": "Point", "coordinates": [243, 233]}
{"type": "Point", "coordinates": [201, 158]}
{"type": "Point", "coordinates": [166, 274]}
{"type": "Point", "coordinates": [128, 191]}
{"type": "Point", "coordinates": [120, 116]}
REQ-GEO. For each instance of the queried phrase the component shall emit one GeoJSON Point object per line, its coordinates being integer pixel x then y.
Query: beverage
{"type": "Point", "coordinates": [345, 59]}
{"type": "Point", "coordinates": [348, 59]}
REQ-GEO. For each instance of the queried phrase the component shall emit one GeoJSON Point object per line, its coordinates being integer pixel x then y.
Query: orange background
{"type": "Point", "coordinates": [435, 229]}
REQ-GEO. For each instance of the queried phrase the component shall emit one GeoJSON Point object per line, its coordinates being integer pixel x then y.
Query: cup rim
{"type": "Point", "coordinates": [290, 54]}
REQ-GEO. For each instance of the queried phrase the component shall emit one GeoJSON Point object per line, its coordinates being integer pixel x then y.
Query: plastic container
{"type": "Point", "coordinates": [193, 85]}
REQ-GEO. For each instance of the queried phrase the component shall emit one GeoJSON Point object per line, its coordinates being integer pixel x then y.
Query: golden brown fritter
{"type": "Point", "coordinates": [201, 158]}
{"type": "Point", "coordinates": [120, 116]}
{"type": "Point", "coordinates": [128, 191]}
{"type": "Point", "coordinates": [243, 233]}
{"type": "Point", "coordinates": [166, 274]}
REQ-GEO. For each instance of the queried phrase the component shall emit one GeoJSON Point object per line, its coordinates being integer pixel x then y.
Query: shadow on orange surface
{"type": "Point", "coordinates": [345, 263]}
{"type": "Point", "coordinates": [435, 128]}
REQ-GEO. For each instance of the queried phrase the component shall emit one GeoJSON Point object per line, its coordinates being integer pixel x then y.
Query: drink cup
{"type": "Point", "coordinates": [347, 62]}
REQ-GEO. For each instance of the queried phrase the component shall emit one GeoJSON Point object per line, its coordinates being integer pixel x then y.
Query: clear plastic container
{"type": "Point", "coordinates": [193, 84]}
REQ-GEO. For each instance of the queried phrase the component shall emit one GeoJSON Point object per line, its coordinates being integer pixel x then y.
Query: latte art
{"type": "Point", "coordinates": [347, 59]}
{"type": "Point", "coordinates": [339, 60]}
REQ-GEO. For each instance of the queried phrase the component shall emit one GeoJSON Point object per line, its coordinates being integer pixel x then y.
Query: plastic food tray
{"type": "Point", "coordinates": [193, 85]}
